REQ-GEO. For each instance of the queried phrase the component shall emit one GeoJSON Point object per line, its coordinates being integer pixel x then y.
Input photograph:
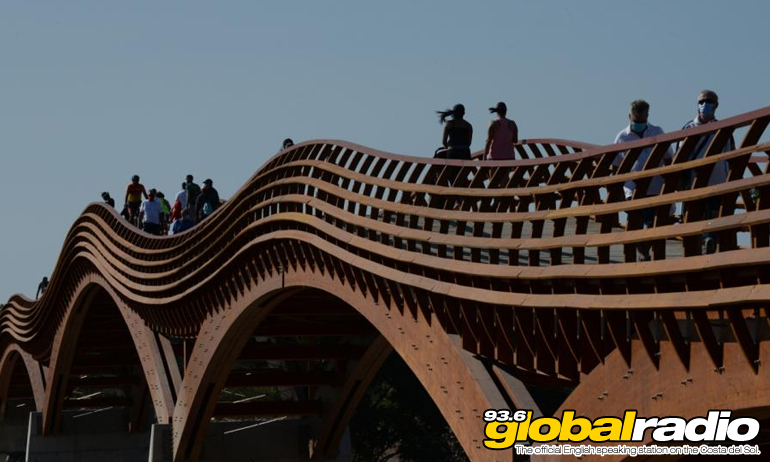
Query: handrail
{"type": "Point", "coordinates": [429, 224]}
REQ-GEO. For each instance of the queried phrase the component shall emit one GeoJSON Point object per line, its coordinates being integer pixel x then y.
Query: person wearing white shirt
{"type": "Point", "coordinates": [181, 196]}
{"type": "Point", "coordinates": [708, 101]}
{"type": "Point", "coordinates": [149, 214]}
{"type": "Point", "coordinates": [639, 128]}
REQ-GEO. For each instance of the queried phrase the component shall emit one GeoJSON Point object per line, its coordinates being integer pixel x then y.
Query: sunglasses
{"type": "Point", "coordinates": [703, 101]}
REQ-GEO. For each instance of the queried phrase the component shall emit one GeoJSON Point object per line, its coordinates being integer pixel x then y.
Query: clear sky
{"type": "Point", "coordinates": [93, 92]}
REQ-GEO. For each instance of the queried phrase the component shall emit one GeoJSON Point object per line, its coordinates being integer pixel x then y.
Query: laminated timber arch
{"type": "Point", "coordinates": [461, 388]}
{"type": "Point", "coordinates": [117, 342]}
{"type": "Point", "coordinates": [16, 365]}
{"type": "Point", "coordinates": [521, 266]}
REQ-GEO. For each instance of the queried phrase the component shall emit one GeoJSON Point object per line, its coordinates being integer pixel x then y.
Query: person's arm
{"type": "Point", "coordinates": [198, 206]}
{"type": "Point", "coordinates": [470, 138]}
{"type": "Point", "coordinates": [616, 163]}
{"type": "Point", "coordinates": [668, 157]}
{"type": "Point", "coordinates": [176, 211]}
{"type": "Point", "coordinates": [730, 145]}
{"type": "Point", "coordinates": [445, 136]}
{"type": "Point", "coordinates": [216, 200]}
{"type": "Point", "coordinates": [125, 201]}
{"type": "Point", "coordinates": [490, 135]}
{"type": "Point", "coordinates": [515, 129]}
{"type": "Point", "coordinates": [618, 157]}
{"type": "Point", "coordinates": [144, 192]}
{"type": "Point", "coordinates": [37, 295]}
{"type": "Point", "coordinates": [678, 145]}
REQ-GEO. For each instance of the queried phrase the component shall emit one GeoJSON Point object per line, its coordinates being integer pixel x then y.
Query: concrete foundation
{"type": "Point", "coordinates": [276, 441]}
{"type": "Point", "coordinates": [13, 430]}
{"type": "Point", "coordinates": [87, 436]}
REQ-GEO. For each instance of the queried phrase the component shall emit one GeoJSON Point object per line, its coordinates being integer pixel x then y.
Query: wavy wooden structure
{"type": "Point", "coordinates": [490, 279]}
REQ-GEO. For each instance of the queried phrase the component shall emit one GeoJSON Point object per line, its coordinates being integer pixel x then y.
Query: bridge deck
{"type": "Point", "coordinates": [673, 246]}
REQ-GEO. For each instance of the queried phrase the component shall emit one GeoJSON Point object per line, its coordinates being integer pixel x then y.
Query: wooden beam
{"type": "Point", "coordinates": [749, 346]}
{"type": "Point", "coordinates": [706, 331]}
{"type": "Point", "coordinates": [678, 339]}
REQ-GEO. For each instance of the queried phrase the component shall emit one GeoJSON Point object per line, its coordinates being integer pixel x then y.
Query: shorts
{"type": "Point", "coordinates": [133, 208]}
{"type": "Point", "coordinates": [459, 153]}
{"type": "Point", "coordinates": [151, 228]}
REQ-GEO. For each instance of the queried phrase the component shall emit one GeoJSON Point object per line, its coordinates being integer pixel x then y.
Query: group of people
{"type": "Point", "coordinates": [503, 135]}
{"type": "Point", "coordinates": [150, 211]}
{"type": "Point", "coordinates": [639, 128]}
{"type": "Point", "coordinates": [154, 214]}
{"type": "Point", "coordinates": [192, 203]}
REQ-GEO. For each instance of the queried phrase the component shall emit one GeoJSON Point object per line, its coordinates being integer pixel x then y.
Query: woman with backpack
{"type": "Point", "coordinates": [457, 136]}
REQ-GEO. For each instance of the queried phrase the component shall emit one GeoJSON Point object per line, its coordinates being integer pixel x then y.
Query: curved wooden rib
{"type": "Point", "coordinates": [9, 360]}
{"type": "Point", "coordinates": [543, 147]}
{"type": "Point", "coordinates": [351, 393]}
{"type": "Point", "coordinates": [146, 344]}
{"type": "Point", "coordinates": [524, 262]}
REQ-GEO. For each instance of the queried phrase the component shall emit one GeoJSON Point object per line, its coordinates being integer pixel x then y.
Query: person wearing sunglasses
{"type": "Point", "coordinates": [708, 102]}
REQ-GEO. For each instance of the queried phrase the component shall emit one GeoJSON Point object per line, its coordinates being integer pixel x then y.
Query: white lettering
{"type": "Point", "coordinates": [733, 430]}
{"type": "Point", "coordinates": [641, 425]}
{"type": "Point", "coordinates": [673, 430]}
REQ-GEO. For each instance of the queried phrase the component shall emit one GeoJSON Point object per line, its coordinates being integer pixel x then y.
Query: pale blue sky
{"type": "Point", "coordinates": [93, 92]}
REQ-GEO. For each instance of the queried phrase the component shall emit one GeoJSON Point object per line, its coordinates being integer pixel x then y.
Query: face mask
{"type": "Point", "coordinates": [638, 128]}
{"type": "Point", "coordinates": [706, 109]}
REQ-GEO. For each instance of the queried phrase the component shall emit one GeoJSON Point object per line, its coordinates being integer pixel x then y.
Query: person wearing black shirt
{"type": "Point", "coordinates": [457, 136]}
{"type": "Point", "coordinates": [208, 200]}
{"type": "Point", "coordinates": [108, 200]}
{"type": "Point", "coordinates": [41, 287]}
{"type": "Point", "coordinates": [193, 190]}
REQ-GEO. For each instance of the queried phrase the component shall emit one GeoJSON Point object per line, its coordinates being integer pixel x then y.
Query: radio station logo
{"type": "Point", "coordinates": [505, 428]}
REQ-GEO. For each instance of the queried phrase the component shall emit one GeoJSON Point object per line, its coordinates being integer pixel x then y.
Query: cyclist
{"type": "Point", "coordinates": [134, 193]}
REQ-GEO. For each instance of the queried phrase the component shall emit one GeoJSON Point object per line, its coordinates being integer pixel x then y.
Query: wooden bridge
{"type": "Point", "coordinates": [489, 278]}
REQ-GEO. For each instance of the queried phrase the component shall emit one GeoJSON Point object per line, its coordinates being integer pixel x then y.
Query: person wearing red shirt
{"type": "Point", "coordinates": [134, 193]}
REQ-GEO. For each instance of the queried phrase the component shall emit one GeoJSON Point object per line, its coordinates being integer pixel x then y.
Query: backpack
{"type": "Point", "coordinates": [207, 209]}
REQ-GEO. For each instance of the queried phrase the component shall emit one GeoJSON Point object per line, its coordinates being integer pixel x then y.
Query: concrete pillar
{"type": "Point", "coordinates": [87, 436]}
{"type": "Point", "coordinates": [265, 441]}
{"type": "Point", "coordinates": [13, 430]}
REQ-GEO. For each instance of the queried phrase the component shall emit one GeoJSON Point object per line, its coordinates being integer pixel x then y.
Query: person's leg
{"type": "Point", "coordinates": [454, 172]}
{"type": "Point", "coordinates": [710, 211]}
{"type": "Point", "coordinates": [684, 184]}
{"type": "Point", "coordinates": [133, 210]}
{"type": "Point", "coordinates": [150, 228]}
{"type": "Point", "coordinates": [451, 177]}
{"type": "Point", "coordinates": [648, 221]}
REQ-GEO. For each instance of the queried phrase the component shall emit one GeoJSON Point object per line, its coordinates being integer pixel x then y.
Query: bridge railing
{"type": "Point", "coordinates": [515, 233]}
{"type": "Point", "coordinates": [543, 147]}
